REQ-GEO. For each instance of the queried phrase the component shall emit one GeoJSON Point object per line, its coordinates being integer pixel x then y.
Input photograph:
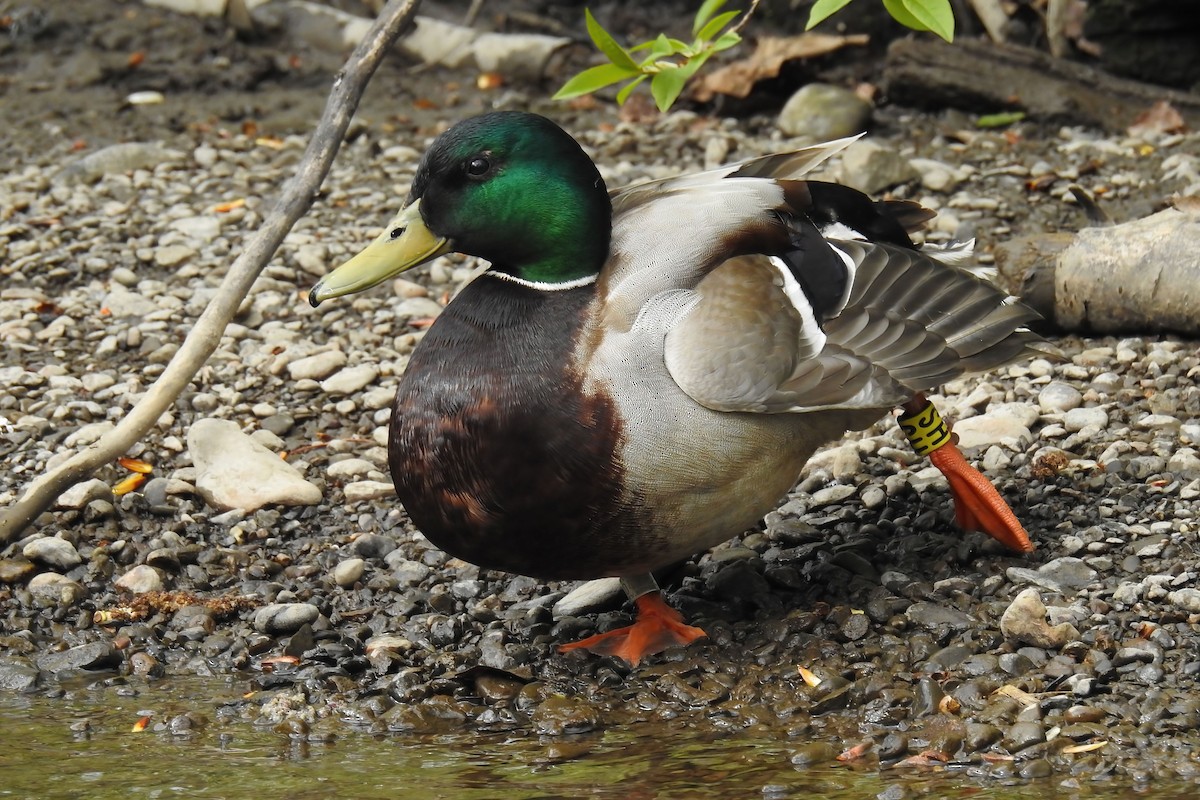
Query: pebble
{"type": "Point", "coordinates": [116, 158]}
{"type": "Point", "coordinates": [1058, 397]}
{"type": "Point", "coordinates": [172, 255]}
{"type": "Point", "coordinates": [832, 494]}
{"type": "Point", "coordinates": [201, 228]}
{"type": "Point", "coordinates": [348, 572]}
{"type": "Point", "coordinates": [53, 552]}
{"type": "Point", "coordinates": [936, 176]}
{"type": "Point", "coordinates": [318, 366]}
{"type": "Point", "coordinates": [986, 429]}
{"type": "Point", "coordinates": [871, 167]}
{"type": "Point", "coordinates": [122, 303]}
{"type": "Point", "coordinates": [350, 468]}
{"type": "Point", "coordinates": [313, 258]}
{"type": "Point", "coordinates": [89, 657]}
{"type": "Point", "coordinates": [350, 379]}
{"type": "Point", "coordinates": [16, 570]}
{"type": "Point", "coordinates": [373, 545]}
{"type": "Point", "coordinates": [52, 590]}
{"type": "Point", "coordinates": [1186, 599]}
{"type": "Point", "coordinates": [932, 615]}
{"type": "Point", "coordinates": [140, 579]}
{"type": "Point", "coordinates": [234, 471]}
{"type": "Point", "coordinates": [282, 618]}
{"type": "Point", "coordinates": [418, 308]}
{"type": "Point", "coordinates": [84, 492]}
{"type": "Point", "coordinates": [1024, 621]}
{"type": "Point", "coordinates": [873, 497]}
{"type": "Point", "coordinates": [589, 597]}
{"type": "Point", "coordinates": [842, 462]}
{"type": "Point", "coordinates": [1063, 576]}
{"type": "Point", "coordinates": [365, 491]}
{"type": "Point", "coordinates": [1077, 419]}
{"type": "Point", "coordinates": [821, 112]}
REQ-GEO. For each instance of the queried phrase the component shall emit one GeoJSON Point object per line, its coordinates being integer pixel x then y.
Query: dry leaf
{"type": "Point", "coordinates": [949, 705]}
{"type": "Point", "coordinates": [489, 80]}
{"type": "Point", "coordinates": [856, 752]}
{"type": "Point", "coordinates": [1085, 748]}
{"type": "Point", "coordinates": [809, 677]}
{"type": "Point", "coordinates": [135, 465]}
{"type": "Point", "coordinates": [1188, 204]}
{"type": "Point", "coordinates": [770, 54]}
{"type": "Point", "coordinates": [129, 483]}
{"type": "Point", "coordinates": [1020, 695]}
{"type": "Point", "coordinates": [1158, 118]}
{"type": "Point", "coordinates": [639, 109]}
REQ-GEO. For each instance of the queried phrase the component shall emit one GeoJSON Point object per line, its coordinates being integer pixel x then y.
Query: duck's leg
{"type": "Point", "coordinates": [657, 627]}
{"type": "Point", "coordinates": [977, 504]}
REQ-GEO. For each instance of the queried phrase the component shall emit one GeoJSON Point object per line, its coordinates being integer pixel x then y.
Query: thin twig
{"type": "Point", "coordinates": [741, 23]}
{"type": "Point", "coordinates": [295, 200]}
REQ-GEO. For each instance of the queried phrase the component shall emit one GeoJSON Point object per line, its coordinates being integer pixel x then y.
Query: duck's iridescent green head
{"type": "Point", "coordinates": [510, 187]}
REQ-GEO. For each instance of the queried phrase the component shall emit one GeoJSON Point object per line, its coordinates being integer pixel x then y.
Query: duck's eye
{"type": "Point", "coordinates": [479, 165]}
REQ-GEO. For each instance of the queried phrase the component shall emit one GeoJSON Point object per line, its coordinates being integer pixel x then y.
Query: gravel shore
{"type": "Point", "coordinates": [856, 613]}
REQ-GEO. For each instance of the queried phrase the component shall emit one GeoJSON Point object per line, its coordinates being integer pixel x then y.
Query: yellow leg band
{"type": "Point", "coordinates": [926, 430]}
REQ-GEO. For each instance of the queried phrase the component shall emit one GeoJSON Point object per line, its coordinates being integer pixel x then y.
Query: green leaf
{"type": "Point", "coordinates": [707, 9]}
{"type": "Point", "coordinates": [662, 47]}
{"type": "Point", "coordinates": [668, 84]}
{"type": "Point", "coordinates": [901, 14]}
{"type": "Point", "coordinates": [715, 25]}
{"type": "Point", "coordinates": [628, 88]}
{"type": "Point", "coordinates": [691, 67]}
{"type": "Point", "coordinates": [666, 87]}
{"type": "Point", "coordinates": [935, 15]}
{"type": "Point", "coordinates": [823, 10]}
{"type": "Point", "coordinates": [618, 55]}
{"type": "Point", "coordinates": [999, 120]}
{"type": "Point", "coordinates": [592, 79]}
{"type": "Point", "coordinates": [726, 41]}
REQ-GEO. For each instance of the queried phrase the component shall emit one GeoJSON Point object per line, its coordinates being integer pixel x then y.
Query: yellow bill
{"type": "Point", "coordinates": [405, 243]}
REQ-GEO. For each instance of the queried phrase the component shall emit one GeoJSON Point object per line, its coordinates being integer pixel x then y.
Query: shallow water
{"type": "Point", "coordinates": [82, 745]}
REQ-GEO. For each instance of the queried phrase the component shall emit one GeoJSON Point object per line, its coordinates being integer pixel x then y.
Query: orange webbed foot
{"type": "Point", "coordinates": [977, 504]}
{"type": "Point", "coordinates": [658, 627]}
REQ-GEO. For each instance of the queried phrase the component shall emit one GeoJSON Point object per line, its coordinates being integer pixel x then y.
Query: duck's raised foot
{"type": "Point", "coordinates": [977, 504]}
{"type": "Point", "coordinates": [658, 627]}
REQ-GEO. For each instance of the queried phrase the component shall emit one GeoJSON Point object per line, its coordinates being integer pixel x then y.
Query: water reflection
{"type": "Point", "coordinates": [82, 745]}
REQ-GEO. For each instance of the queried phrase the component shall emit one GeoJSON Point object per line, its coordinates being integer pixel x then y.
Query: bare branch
{"type": "Point", "coordinates": [294, 201]}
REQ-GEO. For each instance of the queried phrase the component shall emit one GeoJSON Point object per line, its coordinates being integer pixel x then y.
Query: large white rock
{"type": "Point", "coordinates": [234, 471]}
{"type": "Point", "coordinates": [987, 429]}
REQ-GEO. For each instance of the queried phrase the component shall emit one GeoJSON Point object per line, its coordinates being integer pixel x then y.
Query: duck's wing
{"type": "Point", "coordinates": [799, 295]}
{"type": "Point", "coordinates": [668, 234]}
{"type": "Point", "coordinates": [865, 328]}
{"type": "Point", "coordinates": [792, 164]}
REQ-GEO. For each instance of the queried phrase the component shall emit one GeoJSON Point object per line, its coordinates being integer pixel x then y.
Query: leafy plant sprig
{"type": "Point", "coordinates": [920, 15]}
{"type": "Point", "coordinates": [668, 63]}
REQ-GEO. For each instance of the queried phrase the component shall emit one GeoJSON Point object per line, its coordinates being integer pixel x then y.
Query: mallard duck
{"type": "Point", "coordinates": [642, 374]}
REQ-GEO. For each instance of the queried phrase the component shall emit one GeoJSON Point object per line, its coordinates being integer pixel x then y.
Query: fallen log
{"type": "Point", "coordinates": [1141, 276]}
{"type": "Point", "coordinates": [986, 78]}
